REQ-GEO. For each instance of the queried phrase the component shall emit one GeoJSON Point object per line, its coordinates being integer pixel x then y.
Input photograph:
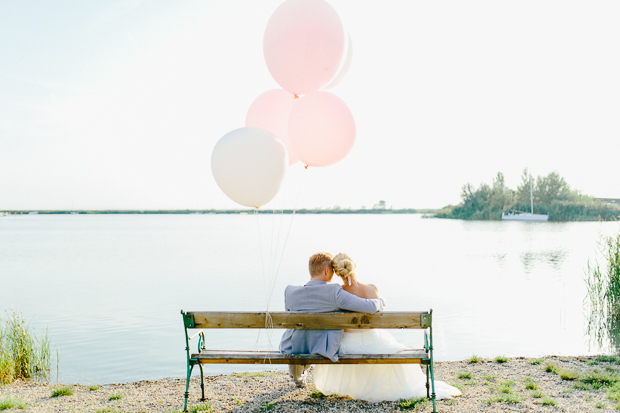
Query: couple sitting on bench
{"type": "Point", "coordinates": [370, 382]}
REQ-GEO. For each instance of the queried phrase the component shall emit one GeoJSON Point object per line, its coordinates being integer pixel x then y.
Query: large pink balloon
{"type": "Point", "coordinates": [303, 45]}
{"type": "Point", "coordinates": [321, 129]}
{"type": "Point", "coordinates": [270, 111]}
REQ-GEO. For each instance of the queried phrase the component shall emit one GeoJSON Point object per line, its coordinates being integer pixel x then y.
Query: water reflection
{"type": "Point", "coordinates": [554, 258]}
{"type": "Point", "coordinates": [604, 331]}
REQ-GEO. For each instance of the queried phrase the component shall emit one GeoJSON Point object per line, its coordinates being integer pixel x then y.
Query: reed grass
{"type": "Point", "coordinates": [22, 355]}
{"type": "Point", "coordinates": [603, 295]}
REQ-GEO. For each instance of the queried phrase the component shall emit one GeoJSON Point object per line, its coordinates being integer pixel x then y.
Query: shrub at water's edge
{"type": "Point", "coordinates": [22, 355]}
{"type": "Point", "coordinates": [552, 195]}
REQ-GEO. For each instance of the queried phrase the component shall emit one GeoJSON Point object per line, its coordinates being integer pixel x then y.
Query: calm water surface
{"type": "Point", "coordinates": [110, 287]}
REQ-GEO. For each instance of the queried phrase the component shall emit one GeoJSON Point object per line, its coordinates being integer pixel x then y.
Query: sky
{"type": "Point", "coordinates": [118, 104]}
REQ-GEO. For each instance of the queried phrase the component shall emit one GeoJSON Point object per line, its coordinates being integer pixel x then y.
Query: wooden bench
{"type": "Point", "coordinates": [308, 321]}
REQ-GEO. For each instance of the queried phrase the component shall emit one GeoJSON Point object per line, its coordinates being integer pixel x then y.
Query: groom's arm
{"type": "Point", "coordinates": [348, 301]}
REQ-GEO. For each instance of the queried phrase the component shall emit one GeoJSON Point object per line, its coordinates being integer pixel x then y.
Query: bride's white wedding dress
{"type": "Point", "coordinates": [375, 382]}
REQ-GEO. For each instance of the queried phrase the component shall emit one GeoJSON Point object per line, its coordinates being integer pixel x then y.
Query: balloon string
{"type": "Point", "coordinates": [287, 235]}
{"type": "Point", "coordinates": [260, 246]}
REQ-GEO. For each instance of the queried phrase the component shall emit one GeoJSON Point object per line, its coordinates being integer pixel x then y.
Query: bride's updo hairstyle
{"type": "Point", "coordinates": [344, 267]}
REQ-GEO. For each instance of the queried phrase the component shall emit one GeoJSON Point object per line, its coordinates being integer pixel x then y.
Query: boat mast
{"type": "Point", "coordinates": [531, 195]}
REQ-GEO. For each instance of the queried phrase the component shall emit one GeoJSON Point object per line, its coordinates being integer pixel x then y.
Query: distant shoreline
{"type": "Point", "coordinates": [221, 211]}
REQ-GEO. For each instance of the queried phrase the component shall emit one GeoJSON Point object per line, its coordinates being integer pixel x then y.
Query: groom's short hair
{"type": "Point", "coordinates": [318, 262]}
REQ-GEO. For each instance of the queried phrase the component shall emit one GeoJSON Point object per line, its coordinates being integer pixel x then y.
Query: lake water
{"type": "Point", "coordinates": [110, 287]}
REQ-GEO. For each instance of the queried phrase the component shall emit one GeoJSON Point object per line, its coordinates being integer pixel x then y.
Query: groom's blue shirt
{"type": "Point", "coordinates": [321, 297]}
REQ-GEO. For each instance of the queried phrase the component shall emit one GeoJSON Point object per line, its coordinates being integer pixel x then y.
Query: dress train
{"type": "Point", "coordinates": [375, 382]}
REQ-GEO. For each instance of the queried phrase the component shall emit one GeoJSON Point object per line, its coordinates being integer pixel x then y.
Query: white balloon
{"type": "Point", "coordinates": [249, 165]}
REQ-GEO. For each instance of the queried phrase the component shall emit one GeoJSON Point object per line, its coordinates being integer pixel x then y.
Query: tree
{"type": "Point", "coordinates": [551, 188]}
{"type": "Point", "coordinates": [380, 205]}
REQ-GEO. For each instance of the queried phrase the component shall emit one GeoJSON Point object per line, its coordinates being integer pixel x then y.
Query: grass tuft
{"type": "Point", "coordinates": [598, 378]}
{"type": "Point", "coordinates": [202, 407]}
{"type": "Point", "coordinates": [530, 385]}
{"type": "Point", "coordinates": [606, 359]}
{"type": "Point", "coordinates": [505, 387]}
{"type": "Point", "coordinates": [582, 386]}
{"type": "Point", "coordinates": [548, 401]}
{"type": "Point", "coordinates": [474, 359]}
{"type": "Point", "coordinates": [115, 396]}
{"type": "Point", "coordinates": [12, 402]}
{"type": "Point", "coordinates": [62, 391]}
{"type": "Point", "coordinates": [267, 406]}
{"type": "Point", "coordinates": [567, 374]}
{"type": "Point", "coordinates": [501, 359]}
{"type": "Point", "coordinates": [410, 404]}
{"type": "Point", "coordinates": [613, 392]}
{"type": "Point", "coordinates": [93, 387]}
{"type": "Point", "coordinates": [551, 368]}
{"type": "Point", "coordinates": [535, 362]}
{"type": "Point", "coordinates": [317, 394]}
{"type": "Point", "coordinates": [537, 394]}
{"type": "Point", "coordinates": [465, 375]}
{"type": "Point", "coordinates": [504, 398]}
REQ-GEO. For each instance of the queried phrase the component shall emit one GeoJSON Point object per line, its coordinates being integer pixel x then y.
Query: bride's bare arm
{"type": "Point", "coordinates": [371, 291]}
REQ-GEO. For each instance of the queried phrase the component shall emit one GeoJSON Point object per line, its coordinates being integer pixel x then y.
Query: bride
{"type": "Point", "coordinates": [372, 382]}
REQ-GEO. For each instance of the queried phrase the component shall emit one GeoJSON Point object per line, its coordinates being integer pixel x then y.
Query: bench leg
{"type": "Point", "coordinates": [202, 383]}
{"type": "Point", "coordinates": [189, 375]}
{"type": "Point", "coordinates": [428, 387]}
{"type": "Point", "coordinates": [433, 385]}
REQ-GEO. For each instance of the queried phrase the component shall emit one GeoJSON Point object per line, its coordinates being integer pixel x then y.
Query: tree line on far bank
{"type": "Point", "coordinates": [552, 195]}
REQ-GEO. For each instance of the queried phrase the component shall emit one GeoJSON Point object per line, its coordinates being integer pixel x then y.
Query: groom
{"type": "Point", "coordinates": [317, 296]}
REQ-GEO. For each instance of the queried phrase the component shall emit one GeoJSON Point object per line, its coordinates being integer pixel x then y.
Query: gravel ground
{"type": "Point", "coordinates": [273, 391]}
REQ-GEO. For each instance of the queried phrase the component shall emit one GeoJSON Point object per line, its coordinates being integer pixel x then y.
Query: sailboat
{"type": "Point", "coordinates": [515, 215]}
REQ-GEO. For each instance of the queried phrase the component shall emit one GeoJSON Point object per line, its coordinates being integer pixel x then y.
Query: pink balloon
{"type": "Point", "coordinates": [303, 45]}
{"type": "Point", "coordinates": [270, 111]}
{"type": "Point", "coordinates": [321, 129]}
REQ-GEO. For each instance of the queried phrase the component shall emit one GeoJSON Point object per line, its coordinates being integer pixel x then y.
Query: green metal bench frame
{"type": "Point", "coordinates": [309, 321]}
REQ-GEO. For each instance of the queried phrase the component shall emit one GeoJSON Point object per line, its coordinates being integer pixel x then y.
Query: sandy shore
{"type": "Point", "coordinates": [273, 391]}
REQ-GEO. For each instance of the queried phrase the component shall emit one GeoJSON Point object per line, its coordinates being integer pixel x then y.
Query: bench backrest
{"type": "Point", "coordinates": [307, 321]}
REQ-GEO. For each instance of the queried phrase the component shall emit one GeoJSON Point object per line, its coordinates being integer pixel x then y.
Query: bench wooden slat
{"type": "Point", "coordinates": [274, 357]}
{"type": "Point", "coordinates": [308, 321]}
